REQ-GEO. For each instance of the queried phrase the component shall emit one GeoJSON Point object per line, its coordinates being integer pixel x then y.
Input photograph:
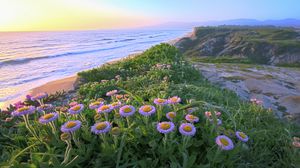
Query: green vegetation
{"type": "Point", "coordinates": [223, 59]}
{"type": "Point", "coordinates": [262, 45]}
{"type": "Point", "coordinates": [160, 72]}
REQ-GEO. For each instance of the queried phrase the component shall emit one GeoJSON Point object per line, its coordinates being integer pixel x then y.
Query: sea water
{"type": "Point", "coordinates": [30, 59]}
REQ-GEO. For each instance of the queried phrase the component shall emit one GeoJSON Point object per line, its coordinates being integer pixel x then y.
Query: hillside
{"type": "Point", "coordinates": [99, 128]}
{"type": "Point", "coordinates": [264, 45]}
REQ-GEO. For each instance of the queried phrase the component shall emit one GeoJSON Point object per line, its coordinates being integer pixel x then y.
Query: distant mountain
{"type": "Point", "coordinates": [260, 44]}
{"type": "Point", "coordinates": [250, 22]}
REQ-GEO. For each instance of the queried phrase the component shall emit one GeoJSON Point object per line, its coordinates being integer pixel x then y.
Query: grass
{"type": "Point", "coordinates": [223, 59]}
{"type": "Point", "coordinates": [162, 72]}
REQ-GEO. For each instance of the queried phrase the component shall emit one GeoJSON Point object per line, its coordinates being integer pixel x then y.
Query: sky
{"type": "Point", "coordinates": [41, 15]}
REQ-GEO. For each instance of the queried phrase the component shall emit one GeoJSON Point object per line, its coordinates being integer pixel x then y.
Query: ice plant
{"type": "Point", "coordinates": [95, 105]}
{"type": "Point", "coordinates": [159, 101]}
{"type": "Point", "coordinates": [23, 111]}
{"type": "Point", "coordinates": [224, 142]}
{"type": "Point", "coordinates": [101, 127]}
{"type": "Point", "coordinates": [44, 107]}
{"type": "Point", "coordinates": [39, 96]}
{"type": "Point", "coordinates": [111, 93]}
{"type": "Point", "coordinates": [105, 108]}
{"type": "Point", "coordinates": [147, 110]}
{"type": "Point", "coordinates": [171, 115]}
{"type": "Point", "coordinates": [48, 118]}
{"type": "Point", "coordinates": [115, 105]}
{"type": "Point", "coordinates": [174, 100]}
{"type": "Point", "coordinates": [242, 136]}
{"type": "Point", "coordinates": [187, 129]}
{"type": "Point", "coordinates": [191, 118]}
{"type": "Point", "coordinates": [165, 127]}
{"type": "Point", "coordinates": [70, 126]}
{"type": "Point", "coordinates": [127, 110]}
{"type": "Point", "coordinates": [76, 109]}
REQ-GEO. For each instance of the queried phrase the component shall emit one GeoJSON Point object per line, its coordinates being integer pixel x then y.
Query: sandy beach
{"type": "Point", "coordinates": [64, 84]}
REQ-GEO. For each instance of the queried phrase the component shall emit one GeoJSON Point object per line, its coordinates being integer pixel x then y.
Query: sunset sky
{"type": "Point", "coordinates": [34, 15]}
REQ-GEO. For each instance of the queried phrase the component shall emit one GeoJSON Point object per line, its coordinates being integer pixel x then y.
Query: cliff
{"type": "Point", "coordinates": [264, 45]}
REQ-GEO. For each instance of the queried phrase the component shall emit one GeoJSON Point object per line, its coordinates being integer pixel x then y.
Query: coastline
{"type": "Point", "coordinates": [63, 84]}
{"type": "Point", "coordinates": [69, 83]}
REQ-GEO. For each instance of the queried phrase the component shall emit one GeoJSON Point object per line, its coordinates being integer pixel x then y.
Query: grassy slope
{"type": "Point", "coordinates": [270, 138]}
{"type": "Point", "coordinates": [254, 43]}
{"type": "Point", "coordinates": [269, 144]}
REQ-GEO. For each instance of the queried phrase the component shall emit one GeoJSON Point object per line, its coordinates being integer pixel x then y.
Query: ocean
{"type": "Point", "coordinates": [31, 59]}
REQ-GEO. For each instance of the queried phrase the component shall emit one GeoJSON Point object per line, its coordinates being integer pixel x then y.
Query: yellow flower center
{"type": "Point", "coordinates": [71, 124]}
{"type": "Point", "coordinates": [104, 107]}
{"type": "Point", "coordinates": [165, 126]}
{"type": "Point", "coordinates": [224, 141]}
{"type": "Point", "coordinates": [187, 128]}
{"type": "Point", "coordinates": [161, 100]}
{"type": "Point", "coordinates": [48, 116]}
{"type": "Point", "coordinates": [101, 126]}
{"type": "Point", "coordinates": [76, 108]}
{"type": "Point", "coordinates": [241, 134]}
{"type": "Point", "coordinates": [96, 103]}
{"type": "Point", "coordinates": [23, 109]}
{"type": "Point", "coordinates": [172, 115]}
{"type": "Point", "coordinates": [174, 99]}
{"type": "Point", "coordinates": [115, 104]}
{"type": "Point", "coordinates": [191, 117]}
{"type": "Point", "coordinates": [147, 108]}
{"type": "Point", "coordinates": [127, 110]}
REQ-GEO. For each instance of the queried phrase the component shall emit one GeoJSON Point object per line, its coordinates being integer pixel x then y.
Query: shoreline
{"type": "Point", "coordinates": [63, 84]}
{"type": "Point", "coordinates": [69, 83]}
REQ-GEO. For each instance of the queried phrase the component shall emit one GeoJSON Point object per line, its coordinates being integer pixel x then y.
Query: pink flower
{"type": "Point", "coordinates": [208, 114]}
{"type": "Point", "coordinates": [18, 104]}
{"type": "Point", "coordinates": [73, 104]}
{"type": "Point", "coordinates": [256, 101]}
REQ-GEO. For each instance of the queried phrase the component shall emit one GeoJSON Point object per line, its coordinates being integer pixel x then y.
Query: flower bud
{"type": "Point", "coordinates": [97, 117]}
{"type": "Point", "coordinates": [117, 115]}
{"type": "Point", "coordinates": [115, 131]}
{"type": "Point", "coordinates": [65, 136]}
{"type": "Point", "coordinates": [63, 109]}
{"type": "Point", "coordinates": [100, 99]}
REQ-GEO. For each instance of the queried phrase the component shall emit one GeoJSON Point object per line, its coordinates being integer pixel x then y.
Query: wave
{"type": "Point", "coordinates": [26, 60]}
{"type": "Point", "coordinates": [124, 40]}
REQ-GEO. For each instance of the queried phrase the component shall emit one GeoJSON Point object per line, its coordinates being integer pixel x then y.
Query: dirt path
{"type": "Point", "coordinates": [277, 87]}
